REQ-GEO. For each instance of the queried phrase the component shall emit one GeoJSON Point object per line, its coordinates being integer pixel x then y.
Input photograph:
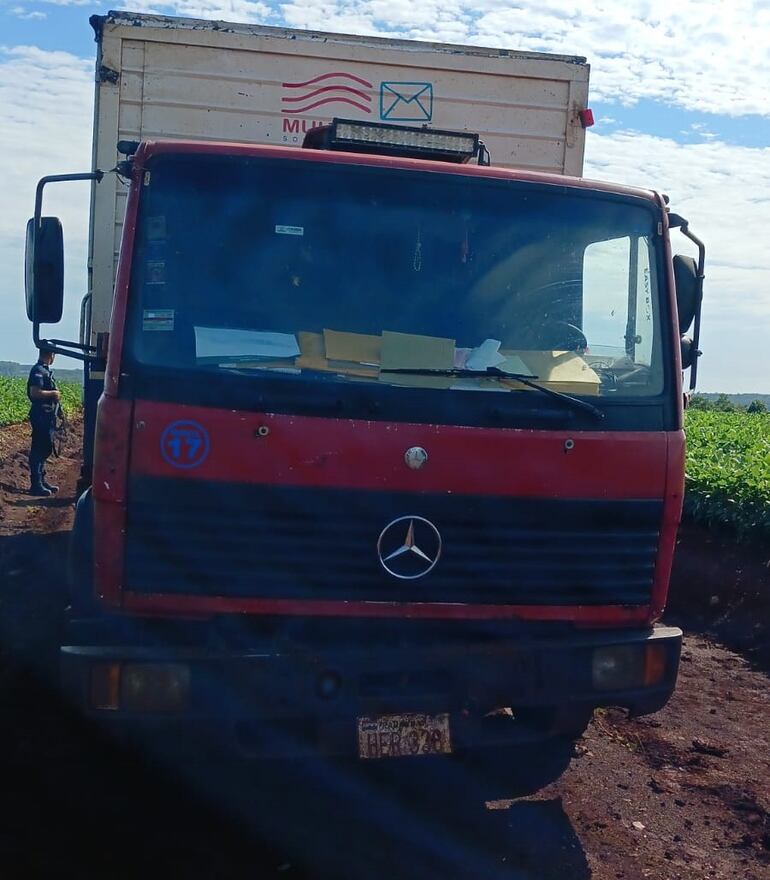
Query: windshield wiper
{"type": "Point", "coordinates": [496, 373]}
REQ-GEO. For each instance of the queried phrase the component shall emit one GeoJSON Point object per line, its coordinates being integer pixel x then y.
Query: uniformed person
{"type": "Point", "coordinates": [44, 399]}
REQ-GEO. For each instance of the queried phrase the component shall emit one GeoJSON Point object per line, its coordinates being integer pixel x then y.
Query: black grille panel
{"type": "Point", "coordinates": [262, 541]}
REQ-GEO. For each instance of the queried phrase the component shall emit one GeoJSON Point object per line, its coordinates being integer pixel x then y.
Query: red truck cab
{"type": "Point", "coordinates": [389, 459]}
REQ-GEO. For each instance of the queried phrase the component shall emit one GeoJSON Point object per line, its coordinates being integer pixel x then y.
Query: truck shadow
{"type": "Point", "coordinates": [336, 820]}
{"type": "Point", "coordinates": [32, 600]}
{"type": "Point", "coordinates": [77, 803]}
{"type": "Point", "coordinates": [115, 813]}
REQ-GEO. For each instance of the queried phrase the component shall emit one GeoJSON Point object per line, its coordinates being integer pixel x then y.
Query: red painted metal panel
{"type": "Point", "coordinates": [670, 302]}
{"type": "Point", "coordinates": [156, 148]}
{"type": "Point", "coordinates": [353, 454]}
{"type": "Point", "coordinates": [122, 281]}
{"type": "Point", "coordinates": [672, 513]}
{"type": "Point", "coordinates": [111, 453]}
{"type": "Point", "coordinates": [206, 606]}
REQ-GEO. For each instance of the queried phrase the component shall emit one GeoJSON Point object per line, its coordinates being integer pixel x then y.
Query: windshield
{"type": "Point", "coordinates": [361, 274]}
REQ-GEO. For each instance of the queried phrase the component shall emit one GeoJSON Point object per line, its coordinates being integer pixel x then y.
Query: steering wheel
{"type": "Point", "coordinates": [553, 335]}
{"type": "Point", "coordinates": [562, 336]}
{"type": "Point", "coordinates": [550, 333]}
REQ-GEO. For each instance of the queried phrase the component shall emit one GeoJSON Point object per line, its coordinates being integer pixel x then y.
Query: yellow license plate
{"type": "Point", "coordinates": [397, 736]}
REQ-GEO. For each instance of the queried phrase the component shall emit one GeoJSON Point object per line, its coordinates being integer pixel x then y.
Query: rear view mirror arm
{"type": "Point", "coordinates": [701, 274]}
{"type": "Point", "coordinates": [675, 221]}
{"type": "Point", "coordinates": [60, 178]}
{"type": "Point", "coordinates": [82, 352]}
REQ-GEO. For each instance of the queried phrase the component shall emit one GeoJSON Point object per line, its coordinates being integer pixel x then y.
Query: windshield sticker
{"type": "Point", "coordinates": [290, 230]}
{"type": "Point", "coordinates": [184, 444]}
{"type": "Point", "coordinates": [155, 272]}
{"type": "Point", "coordinates": [156, 228]}
{"type": "Point", "coordinates": [158, 319]}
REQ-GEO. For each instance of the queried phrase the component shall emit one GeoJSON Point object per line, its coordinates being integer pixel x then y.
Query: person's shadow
{"type": "Point", "coordinates": [50, 501]}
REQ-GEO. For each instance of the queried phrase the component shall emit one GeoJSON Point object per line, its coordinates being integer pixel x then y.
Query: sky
{"type": "Point", "coordinates": [679, 92]}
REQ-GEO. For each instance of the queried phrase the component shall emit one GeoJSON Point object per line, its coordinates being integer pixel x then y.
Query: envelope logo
{"type": "Point", "coordinates": [406, 101]}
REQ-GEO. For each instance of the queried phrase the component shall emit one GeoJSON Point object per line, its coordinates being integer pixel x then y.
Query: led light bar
{"type": "Point", "coordinates": [395, 140]}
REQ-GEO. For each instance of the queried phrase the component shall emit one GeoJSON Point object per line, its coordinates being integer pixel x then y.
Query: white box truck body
{"type": "Point", "coordinates": [189, 79]}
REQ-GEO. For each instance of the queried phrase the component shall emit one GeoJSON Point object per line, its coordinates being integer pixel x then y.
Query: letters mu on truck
{"type": "Point", "coordinates": [389, 425]}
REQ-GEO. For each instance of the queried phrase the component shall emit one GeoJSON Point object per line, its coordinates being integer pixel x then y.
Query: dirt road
{"type": "Point", "coordinates": [682, 794]}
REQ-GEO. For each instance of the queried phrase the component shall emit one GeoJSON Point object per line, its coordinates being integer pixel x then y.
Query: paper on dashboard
{"type": "Point", "coordinates": [360, 348]}
{"type": "Point", "coordinates": [512, 363]}
{"type": "Point", "coordinates": [314, 356]}
{"type": "Point", "coordinates": [485, 355]}
{"type": "Point", "coordinates": [227, 343]}
{"type": "Point", "coordinates": [410, 351]}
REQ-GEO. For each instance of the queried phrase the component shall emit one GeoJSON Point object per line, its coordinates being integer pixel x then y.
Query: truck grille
{"type": "Point", "coordinates": [196, 538]}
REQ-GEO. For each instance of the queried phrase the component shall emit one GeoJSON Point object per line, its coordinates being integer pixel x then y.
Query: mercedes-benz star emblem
{"type": "Point", "coordinates": [409, 547]}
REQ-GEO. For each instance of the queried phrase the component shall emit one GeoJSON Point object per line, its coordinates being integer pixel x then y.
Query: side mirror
{"type": "Point", "coordinates": [689, 353]}
{"type": "Point", "coordinates": [687, 290]}
{"type": "Point", "coordinates": [44, 271]}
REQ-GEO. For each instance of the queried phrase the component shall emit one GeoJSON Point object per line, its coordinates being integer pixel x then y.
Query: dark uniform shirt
{"type": "Point", "coordinates": [40, 376]}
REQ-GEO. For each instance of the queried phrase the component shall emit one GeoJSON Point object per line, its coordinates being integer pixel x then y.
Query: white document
{"type": "Point", "coordinates": [512, 363]}
{"type": "Point", "coordinates": [225, 342]}
{"type": "Point", "coordinates": [485, 355]}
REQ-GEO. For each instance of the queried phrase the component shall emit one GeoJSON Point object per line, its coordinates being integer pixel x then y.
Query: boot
{"type": "Point", "coordinates": [46, 485]}
{"type": "Point", "coordinates": [37, 487]}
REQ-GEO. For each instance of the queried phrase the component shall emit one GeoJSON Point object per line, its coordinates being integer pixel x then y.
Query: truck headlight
{"type": "Point", "coordinates": [628, 666]}
{"type": "Point", "coordinates": [140, 687]}
{"type": "Point", "coordinates": [154, 687]}
{"type": "Point", "coordinates": [618, 667]}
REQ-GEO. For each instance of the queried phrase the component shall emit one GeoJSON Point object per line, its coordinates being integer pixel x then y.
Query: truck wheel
{"type": "Point", "coordinates": [506, 772]}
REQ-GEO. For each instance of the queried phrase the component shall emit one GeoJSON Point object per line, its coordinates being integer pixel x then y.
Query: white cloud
{"type": "Point", "coordinates": [27, 15]}
{"type": "Point", "coordinates": [724, 192]}
{"type": "Point", "coordinates": [653, 49]}
{"type": "Point", "coordinates": [246, 11]}
{"type": "Point", "coordinates": [709, 57]}
{"type": "Point", "coordinates": [46, 103]}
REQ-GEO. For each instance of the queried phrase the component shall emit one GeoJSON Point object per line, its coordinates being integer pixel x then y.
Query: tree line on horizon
{"type": "Point", "coordinates": [724, 403]}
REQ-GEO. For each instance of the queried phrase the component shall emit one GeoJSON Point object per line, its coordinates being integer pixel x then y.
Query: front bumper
{"type": "Point", "coordinates": [292, 699]}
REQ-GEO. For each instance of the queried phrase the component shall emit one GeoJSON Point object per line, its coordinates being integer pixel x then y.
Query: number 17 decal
{"type": "Point", "coordinates": [184, 444]}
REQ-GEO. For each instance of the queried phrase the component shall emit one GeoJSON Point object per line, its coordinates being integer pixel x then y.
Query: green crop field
{"type": "Point", "coordinates": [14, 404]}
{"type": "Point", "coordinates": [728, 472]}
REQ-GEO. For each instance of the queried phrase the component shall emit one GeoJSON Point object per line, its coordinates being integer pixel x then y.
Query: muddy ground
{"type": "Point", "coordinates": [681, 794]}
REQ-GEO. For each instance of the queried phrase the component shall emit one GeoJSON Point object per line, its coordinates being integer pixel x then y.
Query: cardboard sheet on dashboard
{"type": "Point", "coordinates": [410, 351]}
{"type": "Point", "coordinates": [336, 352]}
{"type": "Point", "coordinates": [563, 371]}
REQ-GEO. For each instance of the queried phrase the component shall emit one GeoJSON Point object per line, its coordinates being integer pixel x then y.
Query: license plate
{"type": "Point", "coordinates": [396, 736]}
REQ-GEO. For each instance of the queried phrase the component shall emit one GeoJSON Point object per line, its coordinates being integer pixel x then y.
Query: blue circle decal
{"type": "Point", "coordinates": [184, 444]}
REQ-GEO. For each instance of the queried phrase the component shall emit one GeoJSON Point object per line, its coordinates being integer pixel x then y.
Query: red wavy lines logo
{"type": "Point", "coordinates": [319, 91]}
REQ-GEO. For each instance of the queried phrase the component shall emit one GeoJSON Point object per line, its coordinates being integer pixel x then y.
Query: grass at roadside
{"type": "Point", "coordinates": [14, 405]}
{"type": "Point", "coordinates": [728, 472]}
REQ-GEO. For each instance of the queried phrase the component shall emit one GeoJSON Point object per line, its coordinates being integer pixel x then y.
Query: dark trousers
{"type": "Point", "coordinates": [42, 445]}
